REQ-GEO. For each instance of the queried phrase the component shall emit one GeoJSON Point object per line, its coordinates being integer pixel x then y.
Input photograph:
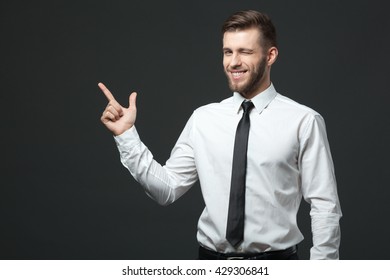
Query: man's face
{"type": "Point", "coordinates": [244, 61]}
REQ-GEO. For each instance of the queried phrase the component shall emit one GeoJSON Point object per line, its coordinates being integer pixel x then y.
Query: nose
{"type": "Point", "coordinates": [236, 61]}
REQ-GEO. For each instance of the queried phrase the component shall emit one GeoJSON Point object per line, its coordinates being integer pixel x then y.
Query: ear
{"type": "Point", "coordinates": [272, 55]}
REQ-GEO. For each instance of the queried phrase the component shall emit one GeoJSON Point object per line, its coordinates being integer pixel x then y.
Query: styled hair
{"type": "Point", "coordinates": [249, 19]}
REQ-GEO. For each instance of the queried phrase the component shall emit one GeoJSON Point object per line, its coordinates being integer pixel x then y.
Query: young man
{"type": "Point", "coordinates": [255, 154]}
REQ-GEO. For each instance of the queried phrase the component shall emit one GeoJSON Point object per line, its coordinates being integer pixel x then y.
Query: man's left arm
{"type": "Point", "coordinates": [320, 190]}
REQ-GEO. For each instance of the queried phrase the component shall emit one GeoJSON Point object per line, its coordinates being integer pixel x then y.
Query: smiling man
{"type": "Point", "coordinates": [247, 63]}
{"type": "Point", "coordinates": [256, 154]}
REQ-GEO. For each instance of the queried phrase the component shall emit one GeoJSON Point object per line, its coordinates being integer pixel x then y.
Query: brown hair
{"type": "Point", "coordinates": [248, 19]}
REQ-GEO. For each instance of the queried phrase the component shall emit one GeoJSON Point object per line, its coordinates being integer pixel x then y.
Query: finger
{"type": "Point", "coordinates": [116, 106]}
{"type": "Point", "coordinates": [106, 92]}
{"type": "Point", "coordinates": [132, 100]}
{"type": "Point", "coordinates": [114, 112]}
{"type": "Point", "coordinates": [107, 116]}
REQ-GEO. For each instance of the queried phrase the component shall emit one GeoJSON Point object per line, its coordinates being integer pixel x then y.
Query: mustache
{"type": "Point", "coordinates": [238, 68]}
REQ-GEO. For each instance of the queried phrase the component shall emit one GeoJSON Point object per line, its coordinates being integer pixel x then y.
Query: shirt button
{"type": "Point", "coordinates": [239, 249]}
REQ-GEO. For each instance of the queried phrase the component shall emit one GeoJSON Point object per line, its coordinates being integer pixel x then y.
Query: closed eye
{"type": "Point", "coordinates": [246, 51]}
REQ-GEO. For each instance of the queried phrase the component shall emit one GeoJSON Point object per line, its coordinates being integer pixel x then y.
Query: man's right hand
{"type": "Point", "coordinates": [116, 118]}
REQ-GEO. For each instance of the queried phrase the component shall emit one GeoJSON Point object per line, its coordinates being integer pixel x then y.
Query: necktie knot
{"type": "Point", "coordinates": [247, 106]}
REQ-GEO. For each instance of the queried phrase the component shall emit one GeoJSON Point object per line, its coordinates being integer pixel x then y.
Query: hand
{"type": "Point", "coordinates": [116, 118]}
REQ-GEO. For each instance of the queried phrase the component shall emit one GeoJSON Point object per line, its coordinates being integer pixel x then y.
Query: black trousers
{"type": "Point", "coordinates": [288, 254]}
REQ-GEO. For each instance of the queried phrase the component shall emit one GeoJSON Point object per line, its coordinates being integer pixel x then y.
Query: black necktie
{"type": "Point", "coordinates": [235, 224]}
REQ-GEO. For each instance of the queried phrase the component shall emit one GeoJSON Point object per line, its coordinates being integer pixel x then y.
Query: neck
{"type": "Point", "coordinates": [262, 87]}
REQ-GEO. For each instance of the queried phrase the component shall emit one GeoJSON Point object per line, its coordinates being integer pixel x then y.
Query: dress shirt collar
{"type": "Point", "coordinates": [260, 101]}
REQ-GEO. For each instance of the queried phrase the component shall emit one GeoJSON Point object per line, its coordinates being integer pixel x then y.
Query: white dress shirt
{"type": "Point", "coordinates": [288, 157]}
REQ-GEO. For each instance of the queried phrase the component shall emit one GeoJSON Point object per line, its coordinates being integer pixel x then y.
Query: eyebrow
{"type": "Point", "coordinates": [245, 50]}
{"type": "Point", "coordinates": [239, 50]}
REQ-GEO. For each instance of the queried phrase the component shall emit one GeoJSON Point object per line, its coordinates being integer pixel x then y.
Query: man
{"type": "Point", "coordinates": [255, 154]}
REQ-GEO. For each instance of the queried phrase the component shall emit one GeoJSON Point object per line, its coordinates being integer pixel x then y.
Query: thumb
{"type": "Point", "coordinates": [132, 100]}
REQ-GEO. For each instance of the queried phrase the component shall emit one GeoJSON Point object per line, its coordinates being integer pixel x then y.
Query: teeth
{"type": "Point", "coordinates": [237, 74]}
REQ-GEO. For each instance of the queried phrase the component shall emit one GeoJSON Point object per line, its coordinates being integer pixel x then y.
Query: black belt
{"type": "Point", "coordinates": [205, 254]}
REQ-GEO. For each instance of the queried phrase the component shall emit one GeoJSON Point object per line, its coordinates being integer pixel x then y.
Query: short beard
{"type": "Point", "coordinates": [254, 81]}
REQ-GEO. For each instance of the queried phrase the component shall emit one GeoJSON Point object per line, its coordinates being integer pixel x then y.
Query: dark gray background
{"type": "Point", "coordinates": [64, 193]}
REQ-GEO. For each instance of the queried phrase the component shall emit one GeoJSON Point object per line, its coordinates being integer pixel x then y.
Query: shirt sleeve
{"type": "Point", "coordinates": [167, 183]}
{"type": "Point", "coordinates": [320, 190]}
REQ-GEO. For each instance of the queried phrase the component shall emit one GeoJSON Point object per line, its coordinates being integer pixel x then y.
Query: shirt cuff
{"type": "Point", "coordinates": [127, 139]}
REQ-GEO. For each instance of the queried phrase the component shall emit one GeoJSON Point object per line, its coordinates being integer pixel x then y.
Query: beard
{"type": "Point", "coordinates": [252, 84]}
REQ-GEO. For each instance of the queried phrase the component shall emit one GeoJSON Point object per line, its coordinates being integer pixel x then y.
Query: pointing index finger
{"type": "Point", "coordinates": [106, 92]}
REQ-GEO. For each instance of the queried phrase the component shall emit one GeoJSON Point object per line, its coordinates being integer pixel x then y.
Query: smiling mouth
{"type": "Point", "coordinates": [237, 74]}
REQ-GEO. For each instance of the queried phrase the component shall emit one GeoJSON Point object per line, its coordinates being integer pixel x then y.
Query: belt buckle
{"type": "Point", "coordinates": [235, 258]}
